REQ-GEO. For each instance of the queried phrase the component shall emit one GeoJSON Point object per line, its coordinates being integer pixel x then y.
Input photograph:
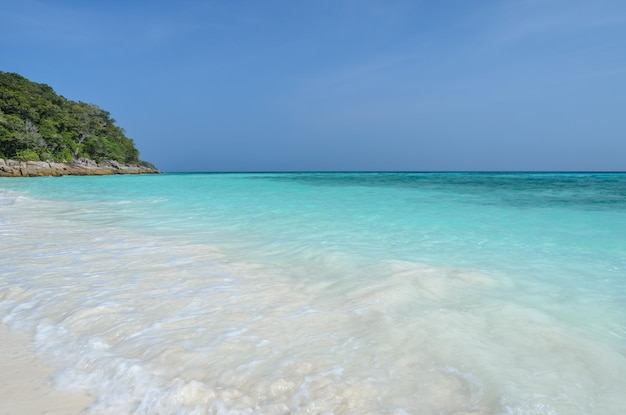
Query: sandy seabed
{"type": "Point", "coordinates": [26, 386]}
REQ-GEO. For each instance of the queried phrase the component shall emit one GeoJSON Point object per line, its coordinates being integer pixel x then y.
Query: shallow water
{"type": "Point", "coordinates": [319, 293]}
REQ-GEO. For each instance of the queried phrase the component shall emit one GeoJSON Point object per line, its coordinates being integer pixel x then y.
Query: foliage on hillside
{"type": "Point", "coordinates": [38, 124]}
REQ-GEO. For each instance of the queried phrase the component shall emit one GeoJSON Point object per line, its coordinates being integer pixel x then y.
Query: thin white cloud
{"type": "Point", "coordinates": [510, 23]}
{"type": "Point", "coordinates": [507, 50]}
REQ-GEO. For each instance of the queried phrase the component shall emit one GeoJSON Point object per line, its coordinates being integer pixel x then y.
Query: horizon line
{"type": "Point", "coordinates": [396, 171]}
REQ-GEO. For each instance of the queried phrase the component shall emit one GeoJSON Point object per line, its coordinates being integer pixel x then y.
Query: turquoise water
{"type": "Point", "coordinates": [345, 293]}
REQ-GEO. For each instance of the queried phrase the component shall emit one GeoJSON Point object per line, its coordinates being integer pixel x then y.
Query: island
{"type": "Point", "coordinates": [45, 134]}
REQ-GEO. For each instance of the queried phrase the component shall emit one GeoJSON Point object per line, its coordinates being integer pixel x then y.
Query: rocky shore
{"type": "Point", "coordinates": [80, 167]}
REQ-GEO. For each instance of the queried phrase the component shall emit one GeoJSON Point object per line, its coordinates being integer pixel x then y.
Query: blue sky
{"type": "Point", "coordinates": [238, 85]}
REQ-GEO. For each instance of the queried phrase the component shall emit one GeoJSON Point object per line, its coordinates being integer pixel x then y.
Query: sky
{"type": "Point", "coordinates": [289, 85]}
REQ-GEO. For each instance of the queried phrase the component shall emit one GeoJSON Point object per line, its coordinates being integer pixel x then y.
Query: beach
{"type": "Point", "coordinates": [26, 383]}
{"type": "Point", "coordinates": [315, 293]}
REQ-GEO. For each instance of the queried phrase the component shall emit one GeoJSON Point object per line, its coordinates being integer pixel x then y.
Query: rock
{"type": "Point", "coordinates": [79, 167]}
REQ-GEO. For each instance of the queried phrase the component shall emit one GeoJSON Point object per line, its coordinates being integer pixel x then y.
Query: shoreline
{"type": "Point", "coordinates": [79, 167]}
{"type": "Point", "coordinates": [26, 386]}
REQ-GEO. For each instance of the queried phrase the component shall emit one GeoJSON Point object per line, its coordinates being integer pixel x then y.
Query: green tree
{"type": "Point", "coordinates": [36, 123]}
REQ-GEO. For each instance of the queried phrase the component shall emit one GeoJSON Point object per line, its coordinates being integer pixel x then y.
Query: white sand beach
{"type": "Point", "coordinates": [25, 381]}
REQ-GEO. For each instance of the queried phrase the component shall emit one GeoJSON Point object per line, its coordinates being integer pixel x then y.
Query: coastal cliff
{"type": "Point", "coordinates": [80, 167]}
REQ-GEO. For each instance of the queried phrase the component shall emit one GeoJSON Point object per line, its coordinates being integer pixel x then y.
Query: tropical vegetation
{"type": "Point", "coordinates": [38, 124]}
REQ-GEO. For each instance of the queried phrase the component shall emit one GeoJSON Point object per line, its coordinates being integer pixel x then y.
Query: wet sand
{"type": "Point", "coordinates": [25, 381]}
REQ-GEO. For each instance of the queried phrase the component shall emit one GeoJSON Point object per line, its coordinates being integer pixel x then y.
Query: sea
{"type": "Point", "coordinates": [323, 293]}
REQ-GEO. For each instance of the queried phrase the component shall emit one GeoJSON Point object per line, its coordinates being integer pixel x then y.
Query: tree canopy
{"type": "Point", "coordinates": [38, 124]}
